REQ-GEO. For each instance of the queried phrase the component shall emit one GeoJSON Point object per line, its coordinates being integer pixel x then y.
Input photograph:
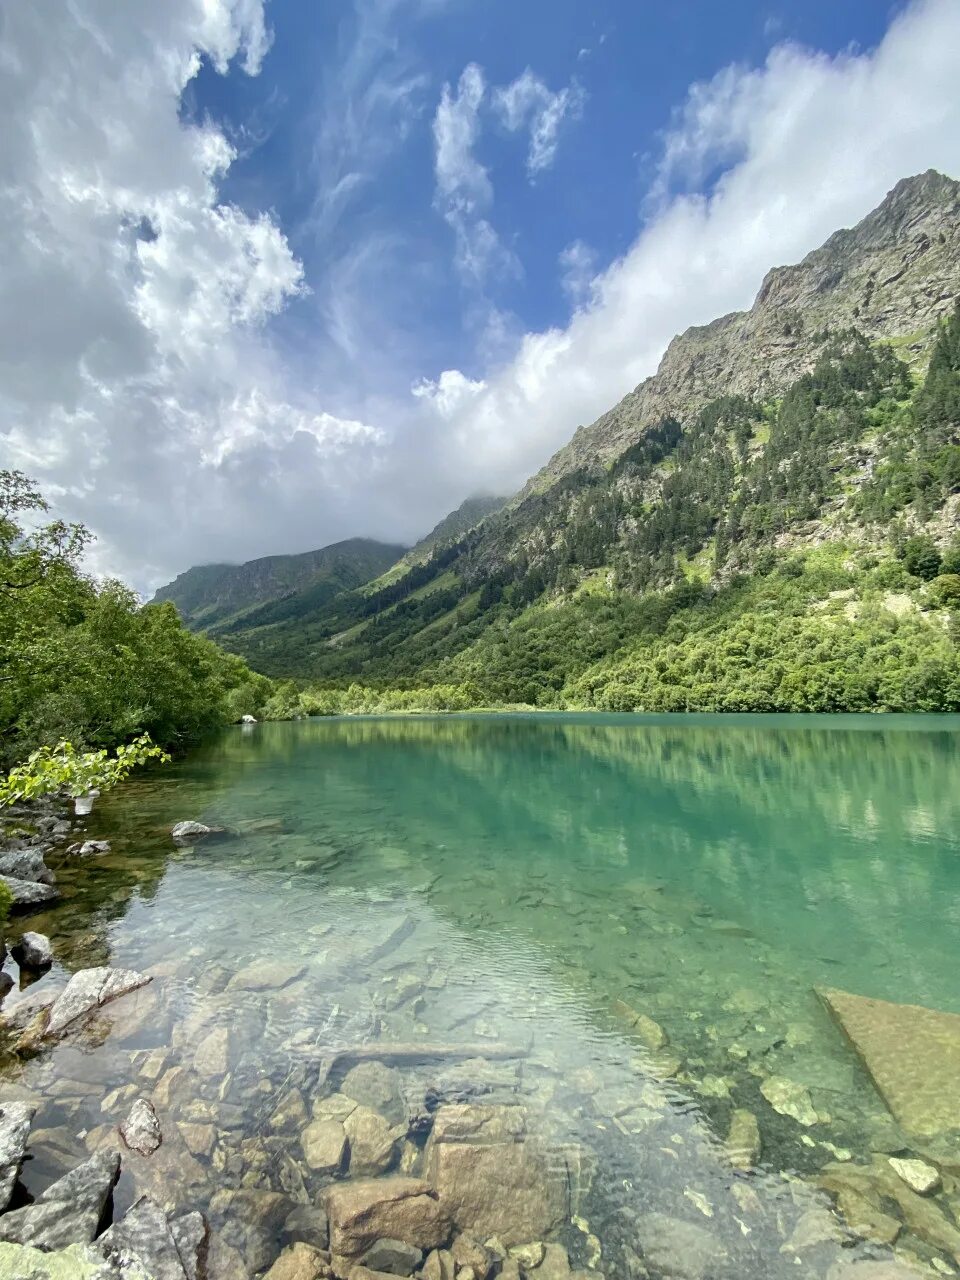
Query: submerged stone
{"type": "Point", "coordinates": [789, 1099]}
{"type": "Point", "coordinates": [300, 1262]}
{"type": "Point", "coordinates": [363, 1212]}
{"type": "Point", "coordinates": [677, 1248]}
{"type": "Point", "coordinates": [394, 1257]}
{"type": "Point", "coordinates": [743, 1139]}
{"type": "Point", "coordinates": [919, 1177]}
{"type": "Point", "coordinates": [911, 1053]}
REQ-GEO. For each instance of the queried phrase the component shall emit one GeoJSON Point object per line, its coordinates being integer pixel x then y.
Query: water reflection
{"type": "Point", "coordinates": [506, 880]}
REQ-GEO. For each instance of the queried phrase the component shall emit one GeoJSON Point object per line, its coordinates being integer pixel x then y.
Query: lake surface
{"type": "Point", "coordinates": [505, 881]}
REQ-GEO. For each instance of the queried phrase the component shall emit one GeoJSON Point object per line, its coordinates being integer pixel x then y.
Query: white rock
{"type": "Point", "coordinates": [87, 990]}
{"type": "Point", "coordinates": [918, 1176]}
{"type": "Point", "coordinates": [789, 1099]}
{"type": "Point", "coordinates": [33, 951]}
{"type": "Point", "coordinates": [141, 1129]}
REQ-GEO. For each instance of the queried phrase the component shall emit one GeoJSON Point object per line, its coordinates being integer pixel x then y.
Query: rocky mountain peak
{"type": "Point", "coordinates": [893, 276]}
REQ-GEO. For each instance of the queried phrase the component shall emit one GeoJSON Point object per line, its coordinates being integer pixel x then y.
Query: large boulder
{"type": "Point", "coordinates": [78, 1262]}
{"type": "Point", "coordinates": [396, 1208]}
{"type": "Point", "coordinates": [373, 1142]}
{"type": "Point", "coordinates": [15, 1119]}
{"type": "Point", "coordinates": [144, 1233]}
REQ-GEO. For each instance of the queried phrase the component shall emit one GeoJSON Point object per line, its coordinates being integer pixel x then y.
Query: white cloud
{"type": "Point", "coordinates": [812, 143]}
{"type": "Point", "coordinates": [578, 269]}
{"type": "Point", "coordinates": [528, 103]}
{"type": "Point", "coordinates": [448, 393]}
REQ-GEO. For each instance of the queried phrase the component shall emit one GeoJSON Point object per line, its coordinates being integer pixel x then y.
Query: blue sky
{"type": "Point", "coordinates": [281, 273]}
{"type": "Point", "coordinates": [384, 65]}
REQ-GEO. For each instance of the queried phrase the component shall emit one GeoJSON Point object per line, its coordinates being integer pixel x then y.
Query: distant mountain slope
{"type": "Point", "coordinates": [211, 595]}
{"type": "Point", "coordinates": [794, 464]}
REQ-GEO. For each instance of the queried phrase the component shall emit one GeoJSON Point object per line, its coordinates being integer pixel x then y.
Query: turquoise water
{"type": "Point", "coordinates": [504, 880]}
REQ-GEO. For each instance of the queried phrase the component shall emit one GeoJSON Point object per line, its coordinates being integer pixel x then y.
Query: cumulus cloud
{"type": "Point", "coordinates": [136, 381]}
{"type": "Point", "coordinates": [528, 103]}
{"type": "Point", "coordinates": [807, 143]}
{"type": "Point", "coordinates": [139, 379]}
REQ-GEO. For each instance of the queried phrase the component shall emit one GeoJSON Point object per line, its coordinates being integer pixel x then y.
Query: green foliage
{"type": "Point", "coordinates": [921, 557]}
{"type": "Point", "coordinates": [62, 768]}
{"type": "Point", "coordinates": [83, 662]}
{"type": "Point", "coordinates": [946, 590]}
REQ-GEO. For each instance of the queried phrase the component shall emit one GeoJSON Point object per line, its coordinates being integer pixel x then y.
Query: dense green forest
{"type": "Point", "coordinates": [82, 660]}
{"type": "Point", "coordinates": [795, 555]}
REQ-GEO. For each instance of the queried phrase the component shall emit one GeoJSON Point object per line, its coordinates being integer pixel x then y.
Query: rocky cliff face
{"type": "Point", "coordinates": [892, 276]}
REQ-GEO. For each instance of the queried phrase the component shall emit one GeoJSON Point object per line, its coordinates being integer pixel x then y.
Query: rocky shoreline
{"type": "Point", "coordinates": [404, 1157]}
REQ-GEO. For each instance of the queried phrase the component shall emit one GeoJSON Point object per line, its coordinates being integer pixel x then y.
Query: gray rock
{"type": "Point", "coordinates": [91, 848]}
{"type": "Point", "coordinates": [141, 1129]}
{"type": "Point", "coordinates": [191, 1235]}
{"type": "Point", "coordinates": [376, 1086]}
{"type": "Point", "coordinates": [33, 951]}
{"type": "Point", "coordinates": [69, 1211]}
{"type": "Point", "coordinates": [26, 864]}
{"type": "Point", "coordinates": [29, 893]}
{"type": "Point", "coordinates": [392, 1257]}
{"type": "Point", "coordinates": [677, 1248]}
{"type": "Point", "coordinates": [87, 990]}
{"type": "Point", "coordinates": [15, 1118]}
{"type": "Point", "coordinates": [189, 832]}
{"type": "Point", "coordinates": [144, 1233]}
{"type": "Point", "coordinates": [308, 1224]}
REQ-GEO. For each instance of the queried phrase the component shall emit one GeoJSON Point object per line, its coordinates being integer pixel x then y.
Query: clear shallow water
{"type": "Point", "coordinates": [503, 880]}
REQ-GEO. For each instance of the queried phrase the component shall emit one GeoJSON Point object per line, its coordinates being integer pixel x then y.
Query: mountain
{"type": "Point", "coordinates": [213, 595]}
{"type": "Point", "coordinates": [769, 522]}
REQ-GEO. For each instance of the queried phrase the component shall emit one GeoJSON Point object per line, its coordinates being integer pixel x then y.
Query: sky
{"type": "Point", "coordinates": [277, 274]}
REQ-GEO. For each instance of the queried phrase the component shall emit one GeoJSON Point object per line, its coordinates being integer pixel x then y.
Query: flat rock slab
{"type": "Point", "coordinates": [911, 1053]}
{"type": "Point", "coordinates": [70, 1209]}
{"type": "Point", "coordinates": [87, 990]}
{"type": "Point", "coordinates": [394, 1208]}
{"type": "Point", "coordinates": [144, 1233]}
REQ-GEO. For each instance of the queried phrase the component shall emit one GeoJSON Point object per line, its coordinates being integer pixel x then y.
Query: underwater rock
{"type": "Point", "coordinates": [141, 1129]}
{"type": "Point", "coordinates": [89, 989]}
{"type": "Point", "coordinates": [919, 1177]}
{"type": "Point", "coordinates": [392, 1257]}
{"type": "Point", "coordinates": [512, 1189]}
{"type": "Point", "coordinates": [439, 1266]}
{"type": "Point", "coordinates": [70, 1209]}
{"type": "Point", "coordinates": [26, 864]}
{"type": "Point", "coordinates": [363, 1212]}
{"type": "Point", "coordinates": [265, 975]}
{"type": "Point", "coordinates": [301, 1261]}
{"type": "Point", "coordinates": [29, 893]}
{"type": "Point", "coordinates": [468, 1252]}
{"type": "Point", "coordinates": [743, 1139]}
{"type": "Point", "coordinates": [212, 1054]}
{"type": "Point", "coordinates": [309, 1223]}
{"type": "Point", "coordinates": [324, 1145]}
{"type": "Point", "coordinates": [474, 1123]}
{"type": "Point", "coordinates": [15, 1119]}
{"type": "Point", "coordinates": [678, 1248]}
{"type": "Point", "coordinates": [911, 1053]}
{"type": "Point", "coordinates": [814, 1227]}
{"type": "Point", "coordinates": [89, 848]}
{"type": "Point", "coordinates": [33, 951]}
{"type": "Point", "coordinates": [789, 1099]}
{"type": "Point", "coordinates": [376, 1086]}
{"type": "Point", "coordinates": [373, 1142]}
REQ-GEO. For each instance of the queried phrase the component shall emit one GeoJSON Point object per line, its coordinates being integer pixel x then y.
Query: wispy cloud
{"type": "Point", "coordinates": [527, 103]}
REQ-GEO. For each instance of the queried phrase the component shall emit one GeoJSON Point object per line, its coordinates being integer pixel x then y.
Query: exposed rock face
{"type": "Point", "coordinates": [896, 272]}
{"type": "Point", "coordinates": [141, 1129]}
{"type": "Point", "coordinates": [33, 951]}
{"type": "Point", "coordinates": [145, 1234]}
{"type": "Point", "coordinates": [15, 1118]}
{"type": "Point", "coordinates": [191, 1235]}
{"type": "Point", "coordinates": [89, 989]}
{"type": "Point", "coordinates": [911, 1053]}
{"type": "Point", "coordinates": [79, 1262]}
{"type": "Point", "coordinates": [368, 1210]}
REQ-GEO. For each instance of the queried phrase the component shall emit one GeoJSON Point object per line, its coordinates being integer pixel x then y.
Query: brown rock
{"type": "Point", "coordinates": [365, 1211]}
{"type": "Point", "coordinates": [438, 1266]}
{"type": "Point", "coordinates": [911, 1053]}
{"type": "Point", "coordinates": [465, 1122]}
{"type": "Point", "coordinates": [299, 1262]}
{"type": "Point", "coordinates": [468, 1252]}
{"type": "Point", "coordinates": [865, 1219]}
{"type": "Point", "coordinates": [555, 1264]}
{"type": "Point", "coordinates": [509, 1189]}
{"type": "Point", "coordinates": [373, 1142]}
{"type": "Point", "coordinates": [743, 1139]}
{"type": "Point", "coordinates": [324, 1145]}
